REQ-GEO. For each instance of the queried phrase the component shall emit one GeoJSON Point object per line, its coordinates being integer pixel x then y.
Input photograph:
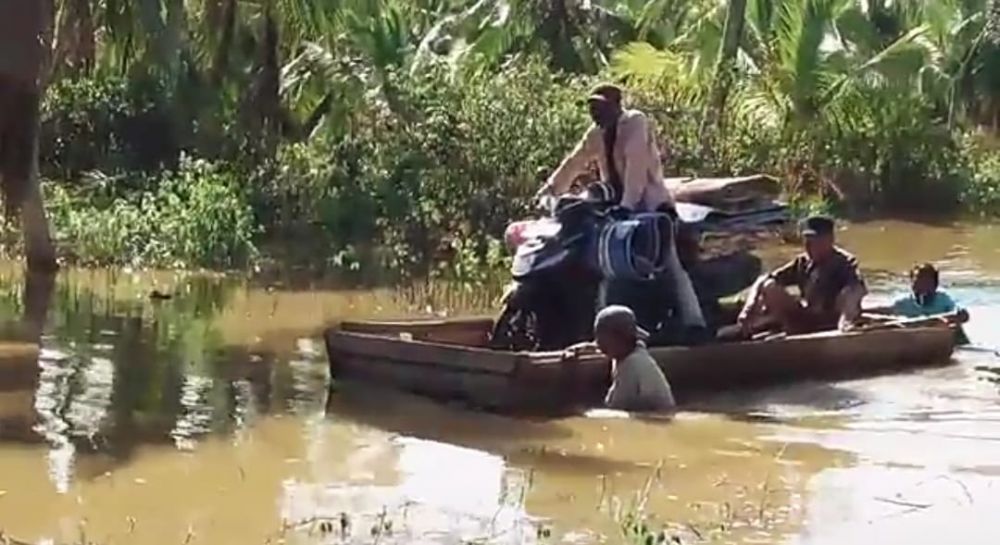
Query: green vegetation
{"type": "Point", "coordinates": [401, 135]}
{"type": "Point", "coordinates": [194, 216]}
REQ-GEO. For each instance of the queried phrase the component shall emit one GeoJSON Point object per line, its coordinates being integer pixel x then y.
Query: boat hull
{"type": "Point", "coordinates": [447, 361]}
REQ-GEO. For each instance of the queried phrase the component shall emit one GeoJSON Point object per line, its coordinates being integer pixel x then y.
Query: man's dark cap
{"type": "Point", "coordinates": [606, 92]}
{"type": "Point", "coordinates": [924, 269]}
{"type": "Point", "coordinates": [621, 319]}
{"type": "Point", "coordinates": [816, 226]}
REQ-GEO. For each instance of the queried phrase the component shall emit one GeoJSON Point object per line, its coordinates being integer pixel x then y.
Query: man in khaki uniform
{"type": "Point", "coordinates": [624, 146]}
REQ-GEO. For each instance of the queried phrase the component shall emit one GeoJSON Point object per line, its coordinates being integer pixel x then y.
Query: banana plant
{"type": "Point", "coordinates": [805, 60]}
{"type": "Point", "coordinates": [575, 35]}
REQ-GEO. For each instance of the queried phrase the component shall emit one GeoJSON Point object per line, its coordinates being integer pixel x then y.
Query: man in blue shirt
{"type": "Point", "coordinates": [925, 299]}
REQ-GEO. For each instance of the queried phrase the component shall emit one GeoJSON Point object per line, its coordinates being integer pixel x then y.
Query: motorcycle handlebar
{"type": "Point", "coordinates": [546, 203]}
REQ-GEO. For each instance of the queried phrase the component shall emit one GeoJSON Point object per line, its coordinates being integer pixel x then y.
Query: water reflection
{"type": "Point", "coordinates": [395, 490]}
{"type": "Point", "coordinates": [196, 411]}
{"type": "Point", "coordinates": [119, 370]}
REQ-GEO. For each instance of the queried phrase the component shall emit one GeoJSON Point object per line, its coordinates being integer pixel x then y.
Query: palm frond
{"type": "Point", "coordinates": [759, 105]}
{"type": "Point", "coordinates": [762, 17]}
{"type": "Point", "coordinates": [643, 62]}
{"type": "Point", "coordinates": [916, 41]}
{"type": "Point", "coordinates": [428, 49]}
{"type": "Point", "coordinates": [702, 40]}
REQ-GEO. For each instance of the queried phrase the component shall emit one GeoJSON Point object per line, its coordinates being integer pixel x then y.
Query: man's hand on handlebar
{"type": "Point", "coordinates": [619, 213]}
{"type": "Point", "coordinates": [542, 196]}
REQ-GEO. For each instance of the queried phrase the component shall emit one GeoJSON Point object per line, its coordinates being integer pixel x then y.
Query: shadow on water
{"type": "Point", "coordinates": [754, 404]}
{"type": "Point", "coordinates": [523, 442]}
{"type": "Point", "coordinates": [404, 414]}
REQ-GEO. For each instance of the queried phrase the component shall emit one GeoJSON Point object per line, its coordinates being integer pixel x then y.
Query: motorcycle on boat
{"type": "Point", "coordinates": [586, 253]}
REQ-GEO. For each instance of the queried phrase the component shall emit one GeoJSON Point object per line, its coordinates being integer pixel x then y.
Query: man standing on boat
{"type": "Point", "coordinates": [623, 145]}
{"type": "Point", "coordinates": [830, 287]}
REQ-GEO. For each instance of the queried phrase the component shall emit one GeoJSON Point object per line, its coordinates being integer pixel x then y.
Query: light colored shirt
{"type": "Point", "coordinates": [636, 157]}
{"type": "Point", "coordinates": [638, 384]}
{"type": "Point", "coordinates": [908, 305]}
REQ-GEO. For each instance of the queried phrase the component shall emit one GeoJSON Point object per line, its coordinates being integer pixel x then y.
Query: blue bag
{"type": "Point", "coordinates": [636, 248]}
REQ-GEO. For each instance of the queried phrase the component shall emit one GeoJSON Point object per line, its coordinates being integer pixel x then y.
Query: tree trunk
{"type": "Point", "coordinates": [38, 247]}
{"type": "Point", "coordinates": [220, 59]}
{"type": "Point", "coordinates": [38, 289]}
{"type": "Point", "coordinates": [75, 44]}
{"type": "Point", "coordinates": [724, 71]}
{"type": "Point", "coordinates": [19, 111]}
{"type": "Point", "coordinates": [26, 42]}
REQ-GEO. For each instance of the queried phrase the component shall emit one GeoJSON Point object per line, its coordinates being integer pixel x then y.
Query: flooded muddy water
{"type": "Point", "coordinates": [203, 416]}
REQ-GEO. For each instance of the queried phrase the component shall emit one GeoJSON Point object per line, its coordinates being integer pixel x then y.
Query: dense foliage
{"type": "Point", "coordinates": [402, 135]}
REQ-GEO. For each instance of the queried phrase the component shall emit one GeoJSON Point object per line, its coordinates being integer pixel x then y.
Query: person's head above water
{"type": "Point", "coordinates": [605, 104]}
{"type": "Point", "coordinates": [616, 331]}
{"type": "Point", "coordinates": [818, 236]}
{"type": "Point", "coordinates": [923, 280]}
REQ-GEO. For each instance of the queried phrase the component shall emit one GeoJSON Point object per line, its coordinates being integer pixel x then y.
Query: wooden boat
{"type": "Point", "coordinates": [18, 365]}
{"type": "Point", "coordinates": [448, 360]}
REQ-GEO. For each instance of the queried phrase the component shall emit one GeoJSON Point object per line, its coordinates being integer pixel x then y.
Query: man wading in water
{"type": "Point", "coordinates": [623, 145]}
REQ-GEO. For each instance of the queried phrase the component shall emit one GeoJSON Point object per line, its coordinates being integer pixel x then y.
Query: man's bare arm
{"type": "Point", "coordinates": [849, 305]}
{"type": "Point", "coordinates": [753, 298]}
{"type": "Point", "coordinates": [636, 147]}
{"type": "Point", "coordinates": [576, 162]}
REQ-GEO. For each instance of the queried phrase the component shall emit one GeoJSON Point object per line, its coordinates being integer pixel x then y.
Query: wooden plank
{"type": "Point", "coordinates": [575, 381]}
{"type": "Point", "coordinates": [467, 359]}
{"type": "Point", "coordinates": [722, 192]}
{"type": "Point", "coordinates": [464, 331]}
{"type": "Point", "coordinates": [482, 390]}
{"type": "Point", "coordinates": [389, 325]}
{"type": "Point", "coordinates": [548, 389]}
{"type": "Point", "coordinates": [800, 357]}
{"type": "Point", "coordinates": [18, 355]}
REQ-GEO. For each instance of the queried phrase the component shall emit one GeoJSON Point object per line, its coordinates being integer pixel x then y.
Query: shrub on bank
{"type": "Point", "coordinates": [981, 193]}
{"type": "Point", "coordinates": [107, 124]}
{"type": "Point", "coordinates": [196, 216]}
{"type": "Point", "coordinates": [405, 189]}
{"type": "Point", "coordinates": [425, 183]}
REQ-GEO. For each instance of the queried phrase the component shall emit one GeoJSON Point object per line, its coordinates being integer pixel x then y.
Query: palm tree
{"type": "Point", "coordinates": [725, 68]}
{"type": "Point", "coordinates": [802, 63]}
{"type": "Point", "coordinates": [976, 89]}
{"type": "Point", "coordinates": [575, 35]}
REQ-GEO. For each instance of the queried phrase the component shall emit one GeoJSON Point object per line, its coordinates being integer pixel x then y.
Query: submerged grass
{"type": "Point", "coordinates": [449, 298]}
{"type": "Point", "coordinates": [637, 526]}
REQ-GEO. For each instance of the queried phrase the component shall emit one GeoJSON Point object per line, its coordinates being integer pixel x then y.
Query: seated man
{"type": "Point", "coordinates": [925, 299]}
{"type": "Point", "coordinates": [830, 287]}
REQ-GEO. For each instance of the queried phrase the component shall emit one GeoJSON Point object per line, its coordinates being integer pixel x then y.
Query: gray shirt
{"type": "Point", "coordinates": [638, 384]}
